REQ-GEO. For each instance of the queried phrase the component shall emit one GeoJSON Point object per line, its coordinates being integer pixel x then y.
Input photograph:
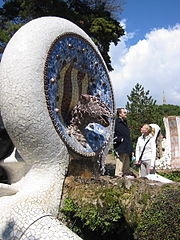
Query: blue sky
{"type": "Point", "coordinates": [144, 15]}
{"type": "Point", "coordinates": [149, 53]}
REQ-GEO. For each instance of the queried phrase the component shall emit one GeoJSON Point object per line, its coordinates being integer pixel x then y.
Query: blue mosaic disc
{"type": "Point", "coordinates": [73, 67]}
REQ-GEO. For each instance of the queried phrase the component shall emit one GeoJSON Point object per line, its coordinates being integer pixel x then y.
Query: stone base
{"type": "Point", "coordinates": [86, 168]}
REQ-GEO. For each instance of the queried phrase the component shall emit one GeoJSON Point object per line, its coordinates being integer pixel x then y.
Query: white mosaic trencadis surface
{"type": "Point", "coordinates": [29, 207]}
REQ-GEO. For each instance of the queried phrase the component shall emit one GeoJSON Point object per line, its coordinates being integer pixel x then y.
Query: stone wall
{"type": "Point", "coordinates": [171, 144]}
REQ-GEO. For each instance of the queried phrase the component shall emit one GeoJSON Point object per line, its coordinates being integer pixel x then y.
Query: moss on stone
{"type": "Point", "coordinates": [161, 220]}
{"type": "Point", "coordinates": [114, 208]}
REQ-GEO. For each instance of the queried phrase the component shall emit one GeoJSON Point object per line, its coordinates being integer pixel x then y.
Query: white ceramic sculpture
{"type": "Point", "coordinates": [28, 208]}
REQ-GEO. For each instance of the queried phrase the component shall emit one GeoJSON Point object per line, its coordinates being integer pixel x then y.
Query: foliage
{"type": "Point", "coordinates": [169, 110]}
{"type": "Point", "coordinates": [115, 208]}
{"type": "Point", "coordinates": [96, 17]}
{"type": "Point", "coordinates": [8, 31]}
{"type": "Point", "coordinates": [141, 109]}
{"type": "Point", "coordinates": [101, 27]}
{"type": "Point", "coordinates": [161, 220]}
{"type": "Point", "coordinates": [98, 216]}
{"type": "Point", "coordinates": [174, 176]}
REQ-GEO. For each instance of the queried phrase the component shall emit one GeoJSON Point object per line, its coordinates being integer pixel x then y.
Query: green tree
{"type": "Point", "coordinates": [96, 17]}
{"type": "Point", "coordinates": [142, 109]}
{"type": "Point", "coordinates": [169, 110]}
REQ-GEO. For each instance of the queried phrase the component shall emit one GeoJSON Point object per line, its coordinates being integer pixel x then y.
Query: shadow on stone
{"type": "Point", "coordinates": [4, 178]}
{"type": "Point", "coordinates": [110, 169]}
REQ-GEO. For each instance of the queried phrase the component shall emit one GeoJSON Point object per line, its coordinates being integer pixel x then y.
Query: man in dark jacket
{"type": "Point", "coordinates": [122, 143]}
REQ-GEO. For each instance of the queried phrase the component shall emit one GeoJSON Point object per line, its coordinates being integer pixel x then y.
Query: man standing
{"type": "Point", "coordinates": [122, 143]}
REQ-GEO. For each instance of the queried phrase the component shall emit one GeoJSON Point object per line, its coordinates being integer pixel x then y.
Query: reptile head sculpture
{"type": "Point", "coordinates": [90, 109]}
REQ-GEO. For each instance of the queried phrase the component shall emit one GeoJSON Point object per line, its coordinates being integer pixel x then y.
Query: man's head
{"type": "Point", "coordinates": [122, 113]}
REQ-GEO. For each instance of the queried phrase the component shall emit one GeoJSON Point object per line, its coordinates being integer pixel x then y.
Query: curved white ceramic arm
{"type": "Point", "coordinates": [28, 212]}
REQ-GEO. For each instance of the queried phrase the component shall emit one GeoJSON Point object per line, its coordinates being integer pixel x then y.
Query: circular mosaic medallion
{"type": "Point", "coordinates": [74, 67]}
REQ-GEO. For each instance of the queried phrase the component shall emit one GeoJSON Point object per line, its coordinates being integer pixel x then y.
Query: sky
{"type": "Point", "coordinates": [149, 53]}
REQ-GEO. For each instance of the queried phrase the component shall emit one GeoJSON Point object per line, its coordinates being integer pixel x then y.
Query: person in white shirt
{"type": "Point", "coordinates": [146, 151]}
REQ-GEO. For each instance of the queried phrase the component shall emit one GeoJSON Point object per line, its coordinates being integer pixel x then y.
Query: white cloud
{"type": "Point", "coordinates": [153, 62]}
